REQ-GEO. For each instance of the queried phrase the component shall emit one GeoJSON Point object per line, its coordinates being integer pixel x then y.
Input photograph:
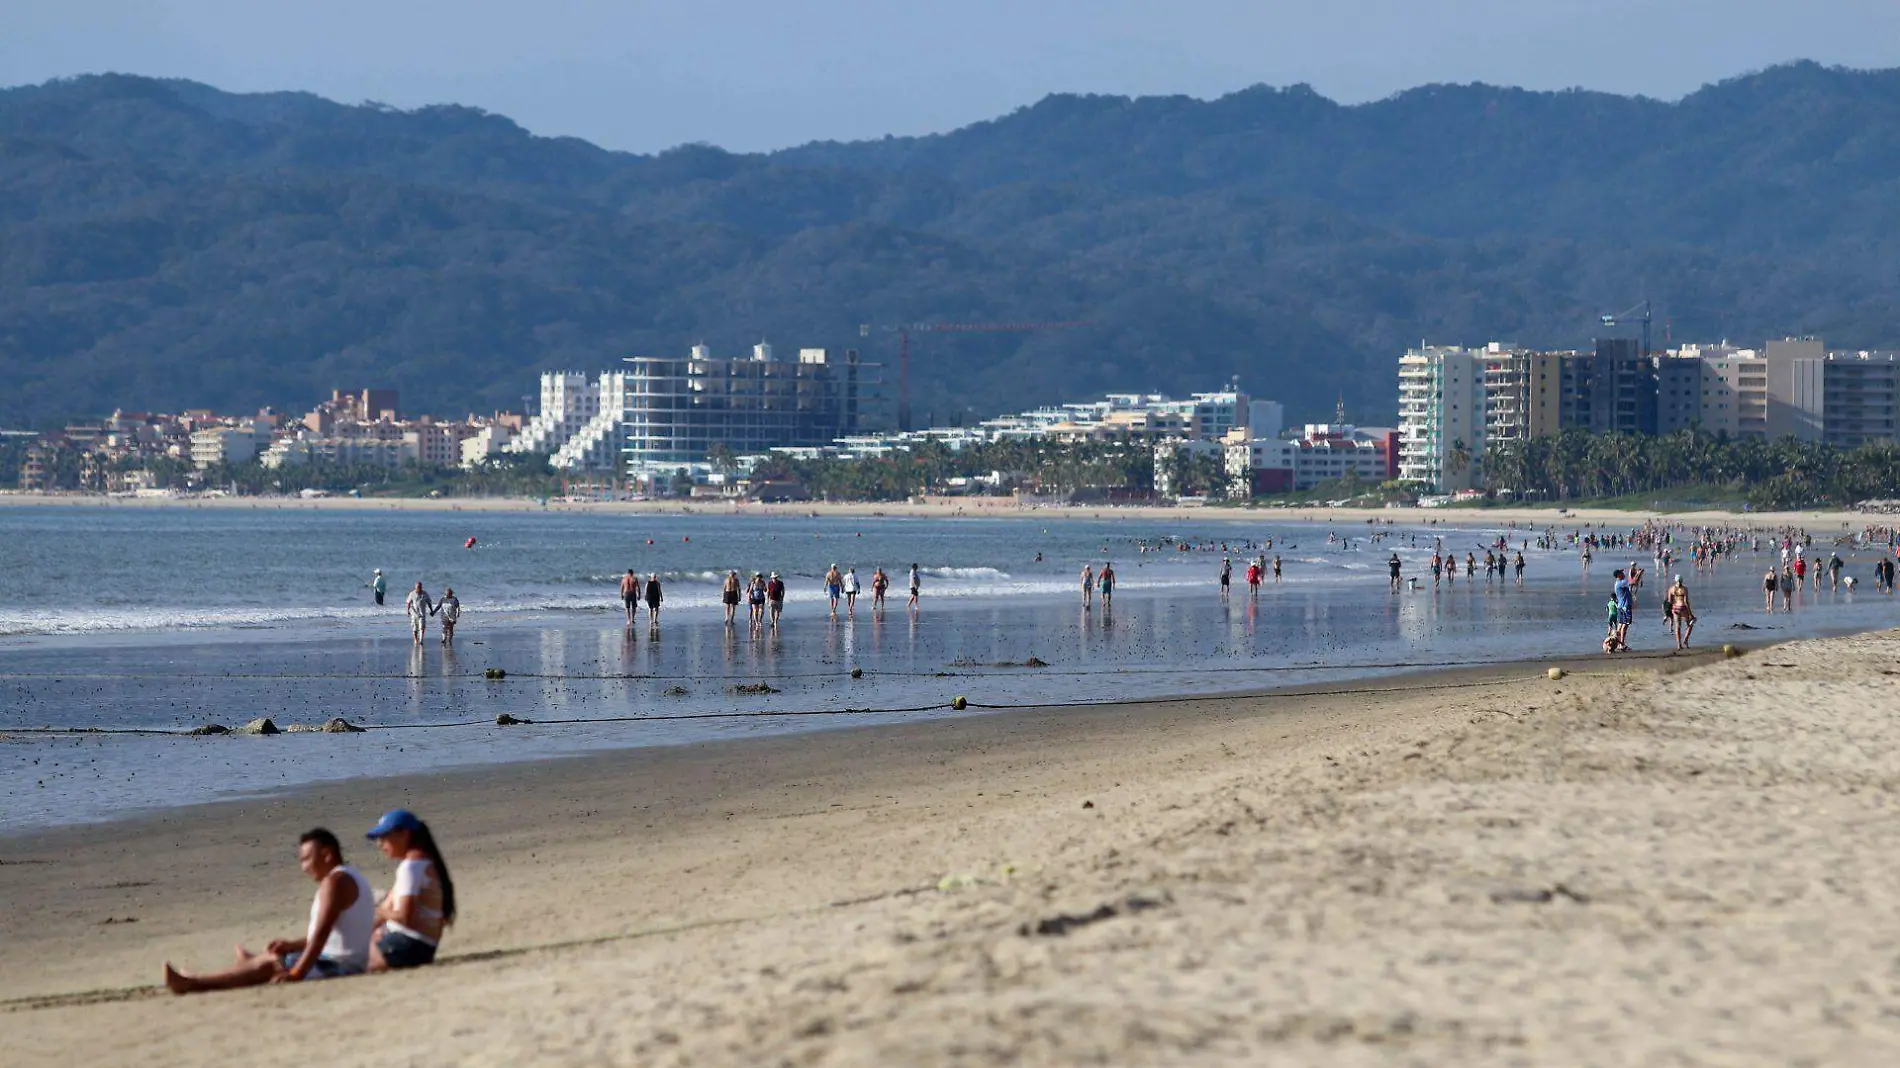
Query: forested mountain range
{"type": "Point", "coordinates": [164, 244]}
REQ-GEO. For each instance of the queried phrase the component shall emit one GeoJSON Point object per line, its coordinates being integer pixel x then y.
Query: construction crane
{"type": "Point", "coordinates": [904, 330]}
{"type": "Point", "coordinates": [1624, 316]}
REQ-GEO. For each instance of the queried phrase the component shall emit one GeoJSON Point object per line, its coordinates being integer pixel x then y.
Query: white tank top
{"type": "Point", "coordinates": [349, 939]}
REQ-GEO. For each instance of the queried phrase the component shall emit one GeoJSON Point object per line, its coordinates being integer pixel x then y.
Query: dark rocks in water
{"type": "Point", "coordinates": [674, 691]}
{"type": "Point", "coordinates": [339, 725]}
{"type": "Point", "coordinates": [1743, 626]}
{"type": "Point", "coordinates": [209, 729]}
{"type": "Point", "coordinates": [506, 720]}
{"type": "Point", "coordinates": [259, 726]}
{"type": "Point", "coordinates": [495, 674]}
{"type": "Point", "coordinates": [1035, 662]}
{"type": "Point", "coordinates": [751, 689]}
{"type": "Point", "coordinates": [857, 673]}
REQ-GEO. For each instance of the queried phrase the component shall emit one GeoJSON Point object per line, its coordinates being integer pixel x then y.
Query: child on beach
{"type": "Point", "coordinates": [1613, 628]}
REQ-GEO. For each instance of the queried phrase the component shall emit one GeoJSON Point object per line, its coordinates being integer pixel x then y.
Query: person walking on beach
{"type": "Point", "coordinates": [1226, 576]}
{"type": "Point", "coordinates": [834, 588]}
{"type": "Point", "coordinates": [630, 594]}
{"type": "Point", "coordinates": [1518, 566]}
{"type": "Point", "coordinates": [654, 597]}
{"type": "Point", "coordinates": [1107, 582]}
{"type": "Point", "coordinates": [1088, 585]}
{"type": "Point", "coordinates": [411, 917]}
{"type": "Point", "coordinates": [880, 585]}
{"type": "Point", "coordinates": [729, 596]}
{"type": "Point", "coordinates": [1679, 612]}
{"type": "Point", "coordinates": [851, 592]}
{"type": "Point", "coordinates": [1393, 565]}
{"type": "Point", "coordinates": [775, 593]}
{"type": "Point", "coordinates": [450, 609]}
{"type": "Point", "coordinates": [1834, 566]}
{"type": "Point", "coordinates": [419, 607]}
{"type": "Point", "coordinates": [337, 942]}
{"type": "Point", "coordinates": [1276, 567]}
{"type": "Point", "coordinates": [378, 586]}
{"type": "Point", "coordinates": [755, 596]}
{"type": "Point", "coordinates": [916, 586]}
{"type": "Point", "coordinates": [1625, 598]}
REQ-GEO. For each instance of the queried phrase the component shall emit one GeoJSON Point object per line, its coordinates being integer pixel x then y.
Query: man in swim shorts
{"type": "Point", "coordinates": [834, 588]}
{"type": "Point", "coordinates": [630, 594]}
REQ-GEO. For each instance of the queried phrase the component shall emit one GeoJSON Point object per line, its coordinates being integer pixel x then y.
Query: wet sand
{"type": "Point", "coordinates": [1621, 867]}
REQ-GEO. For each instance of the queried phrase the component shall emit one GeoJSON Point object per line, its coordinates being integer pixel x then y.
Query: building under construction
{"type": "Point", "coordinates": [679, 408]}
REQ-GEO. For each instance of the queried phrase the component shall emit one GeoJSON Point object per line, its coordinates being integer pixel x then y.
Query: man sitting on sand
{"type": "Point", "coordinates": [342, 917]}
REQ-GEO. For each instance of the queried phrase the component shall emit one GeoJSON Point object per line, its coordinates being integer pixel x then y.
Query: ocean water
{"type": "Point", "coordinates": [166, 619]}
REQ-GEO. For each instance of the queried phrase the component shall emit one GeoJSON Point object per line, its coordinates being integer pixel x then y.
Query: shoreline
{"type": "Point", "coordinates": [1612, 867]}
{"type": "Point", "coordinates": [471, 775]}
{"type": "Point", "coordinates": [988, 508]}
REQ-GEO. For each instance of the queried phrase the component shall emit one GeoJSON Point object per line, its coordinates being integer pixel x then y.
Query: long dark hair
{"type": "Point", "coordinates": [421, 839]}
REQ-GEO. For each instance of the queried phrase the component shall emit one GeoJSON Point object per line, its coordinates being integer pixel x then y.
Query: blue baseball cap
{"type": "Point", "coordinates": [396, 819]}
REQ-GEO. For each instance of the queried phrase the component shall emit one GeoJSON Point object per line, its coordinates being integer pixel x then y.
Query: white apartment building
{"type": "Point", "coordinates": [569, 400]}
{"type": "Point", "coordinates": [485, 444]}
{"type": "Point", "coordinates": [596, 445]}
{"type": "Point", "coordinates": [225, 444]}
{"type": "Point", "coordinates": [1441, 416]}
{"type": "Point", "coordinates": [579, 422]}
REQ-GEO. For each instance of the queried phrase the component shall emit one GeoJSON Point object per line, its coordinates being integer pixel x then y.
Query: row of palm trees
{"type": "Point", "coordinates": [1575, 464]}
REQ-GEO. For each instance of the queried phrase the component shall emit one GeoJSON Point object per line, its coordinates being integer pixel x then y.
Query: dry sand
{"type": "Point", "coordinates": [1618, 868]}
{"type": "Point", "coordinates": [993, 507]}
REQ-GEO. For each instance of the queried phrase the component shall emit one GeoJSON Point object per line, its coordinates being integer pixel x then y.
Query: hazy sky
{"type": "Point", "coordinates": [754, 74]}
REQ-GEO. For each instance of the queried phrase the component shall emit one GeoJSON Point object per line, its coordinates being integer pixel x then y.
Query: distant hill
{"type": "Point", "coordinates": [164, 244]}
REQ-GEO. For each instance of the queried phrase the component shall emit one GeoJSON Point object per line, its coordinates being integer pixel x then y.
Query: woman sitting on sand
{"type": "Point", "coordinates": [411, 916]}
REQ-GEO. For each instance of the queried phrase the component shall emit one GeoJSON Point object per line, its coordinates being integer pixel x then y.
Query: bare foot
{"type": "Point", "coordinates": [176, 983]}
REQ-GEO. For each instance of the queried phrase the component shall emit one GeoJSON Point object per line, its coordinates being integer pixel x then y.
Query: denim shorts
{"type": "Point", "coordinates": [322, 967]}
{"type": "Point", "coordinates": [402, 951]}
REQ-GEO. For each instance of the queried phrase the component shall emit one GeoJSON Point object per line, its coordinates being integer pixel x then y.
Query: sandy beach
{"type": "Point", "coordinates": [998, 507]}
{"type": "Point", "coordinates": [1627, 866]}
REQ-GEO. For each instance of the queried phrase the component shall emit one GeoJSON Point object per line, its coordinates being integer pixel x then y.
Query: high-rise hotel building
{"type": "Point", "coordinates": [680, 407]}
{"type": "Point", "coordinates": [1791, 387]}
